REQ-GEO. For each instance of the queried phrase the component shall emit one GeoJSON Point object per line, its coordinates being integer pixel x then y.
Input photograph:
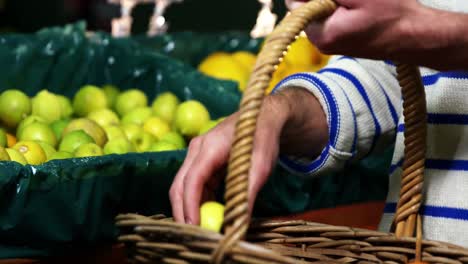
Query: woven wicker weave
{"type": "Point", "coordinates": [160, 240]}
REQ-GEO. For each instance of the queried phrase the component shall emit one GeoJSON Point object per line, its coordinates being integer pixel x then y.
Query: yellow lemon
{"type": "Point", "coordinates": [156, 127]}
{"type": "Point", "coordinates": [245, 58]}
{"type": "Point", "coordinates": [222, 66]}
{"type": "Point", "coordinates": [212, 216]}
{"type": "Point", "coordinates": [32, 152]}
{"type": "Point", "coordinates": [302, 52]}
{"type": "Point", "coordinates": [16, 156]}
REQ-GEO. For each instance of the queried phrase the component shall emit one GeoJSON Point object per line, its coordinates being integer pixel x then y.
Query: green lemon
{"type": "Point", "coordinates": [47, 105]}
{"type": "Point", "coordinates": [104, 117]}
{"type": "Point", "coordinates": [49, 150]}
{"type": "Point", "coordinates": [129, 100]}
{"type": "Point", "coordinates": [90, 127]}
{"type": "Point", "coordinates": [3, 138]}
{"type": "Point", "coordinates": [111, 93]}
{"type": "Point", "coordinates": [119, 145]}
{"type": "Point", "coordinates": [211, 216]}
{"type": "Point", "coordinates": [88, 150]}
{"type": "Point", "coordinates": [72, 140]}
{"type": "Point", "coordinates": [145, 142]}
{"type": "Point", "coordinates": [137, 116]}
{"type": "Point", "coordinates": [58, 127]}
{"type": "Point", "coordinates": [174, 138]}
{"type": "Point", "coordinates": [38, 132]}
{"type": "Point", "coordinates": [27, 121]}
{"type": "Point", "coordinates": [59, 155]}
{"type": "Point", "coordinates": [162, 146]}
{"type": "Point", "coordinates": [14, 107]}
{"type": "Point", "coordinates": [89, 99]}
{"type": "Point", "coordinates": [114, 132]}
{"type": "Point", "coordinates": [67, 109]}
{"type": "Point", "coordinates": [190, 117]}
{"type": "Point", "coordinates": [165, 106]}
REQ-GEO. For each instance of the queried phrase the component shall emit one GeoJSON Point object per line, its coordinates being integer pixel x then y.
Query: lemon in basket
{"type": "Point", "coordinates": [14, 107]}
{"type": "Point", "coordinates": [119, 145]}
{"type": "Point", "coordinates": [3, 138]}
{"type": "Point", "coordinates": [163, 146]}
{"type": "Point", "coordinates": [59, 155]}
{"type": "Point", "coordinates": [32, 152]}
{"type": "Point", "coordinates": [129, 100]}
{"type": "Point", "coordinates": [72, 140]}
{"type": "Point", "coordinates": [15, 155]}
{"type": "Point", "coordinates": [165, 105]}
{"type": "Point", "coordinates": [104, 117]}
{"type": "Point", "coordinates": [90, 127]}
{"type": "Point", "coordinates": [38, 132]}
{"type": "Point", "coordinates": [48, 149]}
{"type": "Point", "coordinates": [137, 116]}
{"type": "Point", "coordinates": [156, 127]}
{"type": "Point", "coordinates": [58, 127]}
{"type": "Point", "coordinates": [88, 150]}
{"type": "Point", "coordinates": [113, 132]}
{"type": "Point", "coordinates": [4, 154]}
{"type": "Point", "coordinates": [89, 99]}
{"type": "Point", "coordinates": [222, 66]}
{"type": "Point", "coordinates": [175, 139]}
{"type": "Point", "coordinates": [66, 106]}
{"type": "Point", "coordinates": [190, 117]}
{"type": "Point", "coordinates": [111, 93]}
{"type": "Point", "coordinates": [47, 105]}
{"type": "Point", "coordinates": [212, 216]}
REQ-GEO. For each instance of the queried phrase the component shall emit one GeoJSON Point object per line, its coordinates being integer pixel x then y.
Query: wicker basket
{"type": "Point", "coordinates": [160, 240]}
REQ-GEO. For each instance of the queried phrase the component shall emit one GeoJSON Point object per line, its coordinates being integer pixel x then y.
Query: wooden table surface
{"type": "Point", "coordinates": [364, 215]}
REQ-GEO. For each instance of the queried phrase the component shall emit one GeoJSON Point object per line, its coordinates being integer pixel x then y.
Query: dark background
{"type": "Point", "coordinates": [193, 15]}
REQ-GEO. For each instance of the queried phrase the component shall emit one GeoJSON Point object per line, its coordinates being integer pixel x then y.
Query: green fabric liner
{"type": "Point", "coordinates": [65, 206]}
{"type": "Point", "coordinates": [193, 47]}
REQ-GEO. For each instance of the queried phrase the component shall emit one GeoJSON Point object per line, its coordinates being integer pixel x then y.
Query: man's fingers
{"type": "Point", "coordinates": [212, 157]}
{"type": "Point", "coordinates": [177, 188]}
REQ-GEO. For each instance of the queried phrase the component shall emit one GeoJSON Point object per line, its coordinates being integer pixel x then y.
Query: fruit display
{"type": "Point", "coordinates": [96, 121]}
{"type": "Point", "coordinates": [302, 56]}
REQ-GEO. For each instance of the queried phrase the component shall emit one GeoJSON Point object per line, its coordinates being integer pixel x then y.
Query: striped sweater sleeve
{"type": "Point", "coordinates": [362, 102]}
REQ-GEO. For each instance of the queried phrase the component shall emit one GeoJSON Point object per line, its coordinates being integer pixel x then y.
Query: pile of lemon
{"type": "Point", "coordinates": [302, 56]}
{"type": "Point", "coordinates": [97, 121]}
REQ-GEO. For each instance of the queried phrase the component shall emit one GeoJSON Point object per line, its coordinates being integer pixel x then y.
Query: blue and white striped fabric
{"type": "Point", "coordinates": [362, 102]}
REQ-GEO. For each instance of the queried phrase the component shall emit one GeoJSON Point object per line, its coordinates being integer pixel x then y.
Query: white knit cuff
{"type": "Point", "coordinates": [341, 122]}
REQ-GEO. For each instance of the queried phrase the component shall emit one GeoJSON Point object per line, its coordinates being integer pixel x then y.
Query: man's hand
{"type": "Point", "coordinates": [401, 30]}
{"type": "Point", "coordinates": [292, 119]}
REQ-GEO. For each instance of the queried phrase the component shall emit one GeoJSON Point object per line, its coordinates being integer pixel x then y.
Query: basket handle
{"type": "Point", "coordinates": [236, 218]}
